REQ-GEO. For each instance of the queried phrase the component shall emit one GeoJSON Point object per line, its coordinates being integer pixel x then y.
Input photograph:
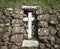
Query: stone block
{"type": "Point", "coordinates": [17, 15]}
{"type": "Point", "coordinates": [42, 46]}
{"type": "Point", "coordinates": [4, 47]}
{"type": "Point", "coordinates": [44, 38]}
{"type": "Point", "coordinates": [53, 31]}
{"type": "Point", "coordinates": [18, 30]}
{"type": "Point", "coordinates": [43, 17]}
{"type": "Point", "coordinates": [43, 24]}
{"type": "Point", "coordinates": [39, 11]}
{"type": "Point", "coordinates": [17, 21]}
{"type": "Point", "coordinates": [8, 29]}
{"type": "Point", "coordinates": [14, 47]}
{"type": "Point", "coordinates": [58, 40]}
{"type": "Point", "coordinates": [30, 43]}
{"type": "Point", "coordinates": [2, 25]}
{"type": "Point", "coordinates": [53, 22]}
{"type": "Point", "coordinates": [43, 31]}
{"type": "Point", "coordinates": [17, 38]}
{"type": "Point", "coordinates": [18, 25]}
{"type": "Point", "coordinates": [18, 11]}
{"type": "Point", "coordinates": [25, 36]}
{"type": "Point", "coordinates": [1, 20]}
{"type": "Point", "coordinates": [6, 20]}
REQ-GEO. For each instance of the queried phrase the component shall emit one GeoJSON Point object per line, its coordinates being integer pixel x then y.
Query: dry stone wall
{"type": "Point", "coordinates": [46, 29]}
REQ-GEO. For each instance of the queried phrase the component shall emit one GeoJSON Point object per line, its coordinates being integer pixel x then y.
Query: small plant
{"type": "Point", "coordinates": [1, 30]}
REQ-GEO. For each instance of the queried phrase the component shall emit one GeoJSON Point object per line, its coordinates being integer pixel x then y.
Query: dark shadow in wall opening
{"type": "Point", "coordinates": [36, 27]}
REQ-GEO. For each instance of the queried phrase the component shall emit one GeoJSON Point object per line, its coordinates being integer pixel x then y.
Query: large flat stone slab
{"type": "Point", "coordinates": [30, 43]}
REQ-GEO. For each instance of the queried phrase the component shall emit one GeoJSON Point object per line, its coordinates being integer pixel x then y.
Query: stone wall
{"type": "Point", "coordinates": [46, 28]}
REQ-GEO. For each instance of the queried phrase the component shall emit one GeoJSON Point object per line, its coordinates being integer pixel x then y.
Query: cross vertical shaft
{"type": "Point", "coordinates": [29, 19]}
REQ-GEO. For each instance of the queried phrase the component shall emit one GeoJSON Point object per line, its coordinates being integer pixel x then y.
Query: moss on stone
{"type": "Point", "coordinates": [1, 30]}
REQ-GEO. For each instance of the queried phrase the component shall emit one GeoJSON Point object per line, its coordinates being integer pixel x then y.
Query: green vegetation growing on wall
{"type": "Point", "coordinates": [43, 3]}
{"type": "Point", "coordinates": [1, 30]}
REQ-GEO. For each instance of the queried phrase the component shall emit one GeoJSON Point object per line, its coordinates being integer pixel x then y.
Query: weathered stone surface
{"type": "Point", "coordinates": [43, 17]}
{"type": "Point", "coordinates": [6, 36]}
{"type": "Point", "coordinates": [39, 11]}
{"type": "Point", "coordinates": [25, 36]}
{"type": "Point", "coordinates": [2, 25]}
{"type": "Point", "coordinates": [44, 38]}
{"type": "Point", "coordinates": [8, 29]}
{"type": "Point", "coordinates": [53, 22]}
{"type": "Point", "coordinates": [53, 31]}
{"type": "Point", "coordinates": [15, 28]}
{"type": "Point", "coordinates": [42, 46]}
{"type": "Point", "coordinates": [18, 10]}
{"type": "Point", "coordinates": [8, 11]}
{"type": "Point", "coordinates": [14, 47]}
{"type": "Point", "coordinates": [1, 20]}
{"type": "Point", "coordinates": [19, 25]}
{"type": "Point", "coordinates": [58, 40]}
{"type": "Point", "coordinates": [30, 43]}
{"type": "Point", "coordinates": [30, 8]}
{"type": "Point", "coordinates": [4, 47]}
{"type": "Point", "coordinates": [17, 15]}
{"type": "Point", "coordinates": [43, 24]}
{"type": "Point", "coordinates": [19, 21]}
{"type": "Point", "coordinates": [18, 30]}
{"type": "Point", "coordinates": [17, 38]}
{"type": "Point", "coordinates": [53, 19]}
{"type": "Point", "coordinates": [43, 31]}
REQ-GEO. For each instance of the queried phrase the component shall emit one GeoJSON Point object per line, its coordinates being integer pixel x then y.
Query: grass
{"type": "Point", "coordinates": [46, 4]}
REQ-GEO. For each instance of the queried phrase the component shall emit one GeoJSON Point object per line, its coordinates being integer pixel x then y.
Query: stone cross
{"type": "Point", "coordinates": [29, 19]}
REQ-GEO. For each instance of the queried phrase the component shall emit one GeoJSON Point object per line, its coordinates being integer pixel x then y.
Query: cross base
{"type": "Point", "coordinates": [30, 43]}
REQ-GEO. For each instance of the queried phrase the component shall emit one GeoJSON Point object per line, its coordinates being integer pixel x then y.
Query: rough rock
{"type": "Point", "coordinates": [17, 38]}
{"type": "Point", "coordinates": [43, 24]}
{"type": "Point", "coordinates": [18, 30]}
{"type": "Point", "coordinates": [43, 17]}
{"type": "Point", "coordinates": [4, 47]}
{"type": "Point", "coordinates": [43, 31]}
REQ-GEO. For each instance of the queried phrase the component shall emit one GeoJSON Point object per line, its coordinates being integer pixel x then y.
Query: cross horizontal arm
{"type": "Point", "coordinates": [26, 19]}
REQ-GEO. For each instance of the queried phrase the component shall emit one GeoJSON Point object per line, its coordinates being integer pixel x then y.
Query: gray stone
{"type": "Point", "coordinates": [57, 46]}
{"type": "Point", "coordinates": [39, 11]}
{"type": "Point", "coordinates": [6, 20]}
{"type": "Point", "coordinates": [14, 47]}
{"type": "Point", "coordinates": [21, 12]}
{"type": "Point", "coordinates": [17, 21]}
{"type": "Point", "coordinates": [4, 47]}
{"type": "Point", "coordinates": [44, 37]}
{"type": "Point", "coordinates": [7, 24]}
{"type": "Point", "coordinates": [17, 15]}
{"type": "Point", "coordinates": [48, 45]}
{"type": "Point", "coordinates": [18, 30]}
{"type": "Point", "coordinates": [58, 40]}
{"type": "Point", "coordinates": [17, 38]}
{"type": "Point", "coordinates": [30, 8]}
{"type": "Point", "coordinates": [6, 36]}
{"type": "Point", "coordinates": [2, 25]}
{"type": "Point", "coordinates": [25, 36]}
{"type": "Point", "coordinates": [1, 21]}
{"type": "Point", "coordinates": [53, 22]}
{"type": "Point", "coordinates": [43, 17]}
{"type": "Point", "coordinates": [18, 11]}
{"type": "Point", "coordinates": [42, 46]}
{"type": "Point", "coordinates": [8, 29]}
{"type": "Point", "coordinates": [53, 31]}
{"type": "Point", "coordinates": [18, 25]}
{"type": "Point", "coordinates": [43, 31]}
{"type": "Point", "coordinates": [43, 24]}
{"type": "Point", "coordinates": [30, 43]}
